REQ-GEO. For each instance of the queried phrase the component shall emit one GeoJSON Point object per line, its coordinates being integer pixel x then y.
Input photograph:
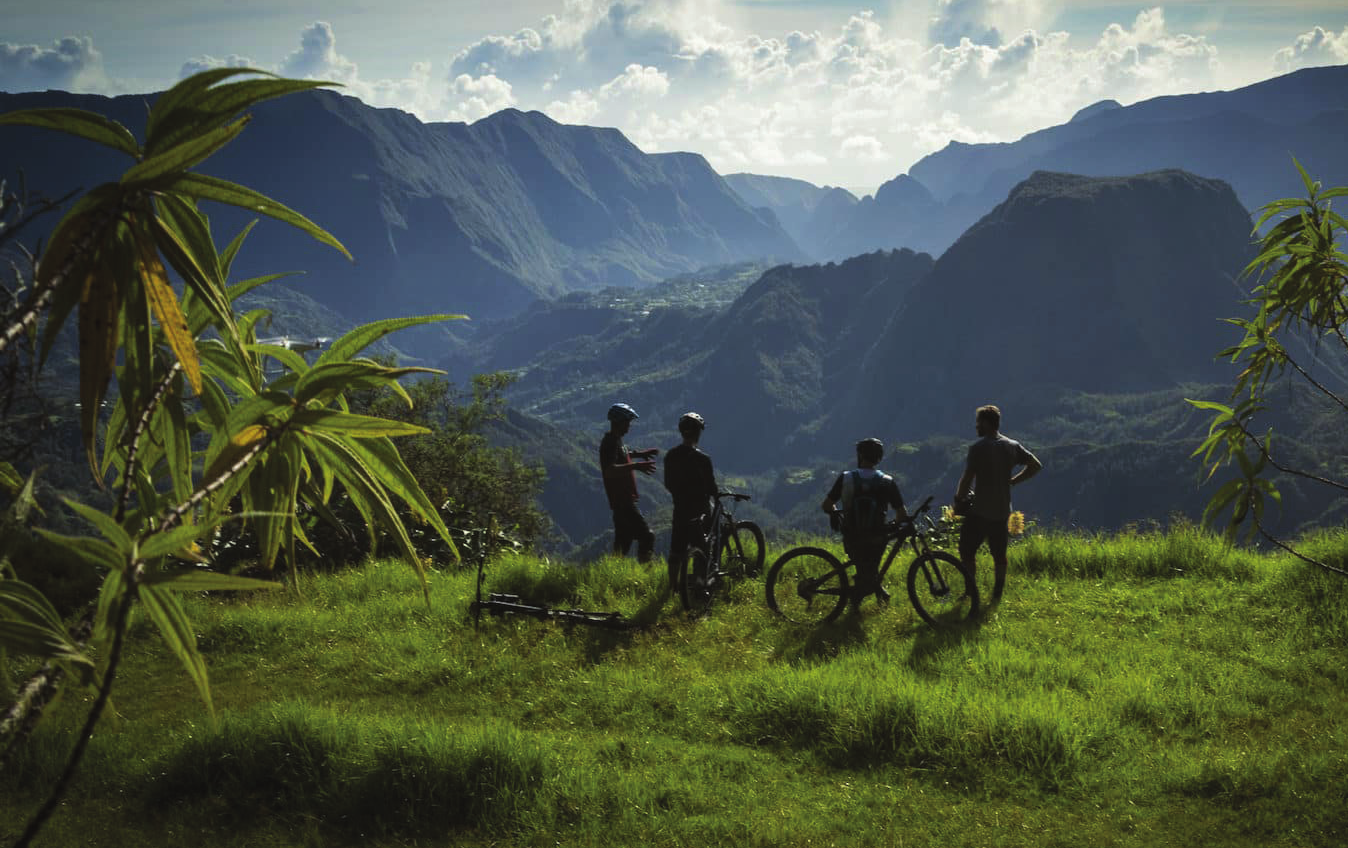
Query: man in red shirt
{"type": "Point", "coordinates": [619, 465]}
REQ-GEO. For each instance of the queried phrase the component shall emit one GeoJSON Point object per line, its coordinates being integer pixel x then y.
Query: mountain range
{"type": "Point", "coordinates": [442, 217]}
{"type": "Point", "coordinates": [1086, 297]}
{"type": "Point", "coordinates": [1246, 137]}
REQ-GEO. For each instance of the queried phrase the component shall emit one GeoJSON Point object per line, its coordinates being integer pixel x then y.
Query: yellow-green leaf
{"type": "Point", "coordinates": [165, 305]}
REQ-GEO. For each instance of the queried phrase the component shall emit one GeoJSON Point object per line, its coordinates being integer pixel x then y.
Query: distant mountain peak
{"type": "Point", "coordinates": [1095, 109]}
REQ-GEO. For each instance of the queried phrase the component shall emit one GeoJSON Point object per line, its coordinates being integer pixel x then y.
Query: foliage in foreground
{"type": "Point", "coordinates": [201, 432]}
{"type": "Point", "coordinates": [1297, 333]}
{"type": "Point", "coordinates": [1141, 689]}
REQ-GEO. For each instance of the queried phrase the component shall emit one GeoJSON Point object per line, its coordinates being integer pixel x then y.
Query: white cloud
{"type": "Point", "coordinates": [70, 64]}
{"type": "Point", "coordinates": [317, 57]}
{"type": "Point", "coordinates": [865, 147]}
{"type": "Point", "coordinates": [209, 63]}
{"type": "Point", "coordinates": [1312, 49]}
{"type": "Point", "coordinates": [478, 97]}
{"type": "Point", "coordinates": [636, 81]}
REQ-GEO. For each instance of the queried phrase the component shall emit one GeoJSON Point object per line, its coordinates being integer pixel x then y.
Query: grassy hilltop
{"type": "Point", "coordinates": [1151, 688]}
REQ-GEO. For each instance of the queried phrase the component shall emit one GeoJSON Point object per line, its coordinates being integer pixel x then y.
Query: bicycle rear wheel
{"type": "Point", "coordinates": [744, 550]}
{"type": "Point", "coordinates": [698, 586]}
{"type": "Point", "coordinates": [940, 590]}
{"type": "Point", "coordinates": [807, 586]}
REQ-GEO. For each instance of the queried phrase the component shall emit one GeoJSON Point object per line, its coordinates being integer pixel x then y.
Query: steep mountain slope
{"type": "Point", "coordinates": [1073, 283]}
{"type": "Point", "coordinates": [479, 218]}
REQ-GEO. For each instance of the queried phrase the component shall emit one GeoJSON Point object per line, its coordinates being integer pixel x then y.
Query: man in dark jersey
{"type": "Point", "coordinates": [866, 494]}
{"type": "Point", "coordinates": [692, 483]}
{"type": "Point", "coordinates": [985, 487]}
{"type": "Point", "coordinates": [618, 467]}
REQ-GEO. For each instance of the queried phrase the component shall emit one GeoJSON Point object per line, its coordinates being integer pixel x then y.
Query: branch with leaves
{"type": "Point", "coordinates": [1303, 295]}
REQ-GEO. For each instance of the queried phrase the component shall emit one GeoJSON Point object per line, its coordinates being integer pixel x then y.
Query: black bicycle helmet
{"type": "Point", "coordinates": [622, 412]}
{"type": "Point", "coordinates": [691, 422]}
{"type": "Point", "coordinates": [871, 449]}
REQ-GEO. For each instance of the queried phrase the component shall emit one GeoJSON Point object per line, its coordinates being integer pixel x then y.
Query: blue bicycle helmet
{"type": "Point", "coordinates": [622, 412]}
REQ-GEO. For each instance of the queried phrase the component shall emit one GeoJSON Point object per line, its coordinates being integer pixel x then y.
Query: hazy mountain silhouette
{"type": "Point", "coordinates": [1246, 137]}
{"type": "Point", "coordinates": [443, 217]}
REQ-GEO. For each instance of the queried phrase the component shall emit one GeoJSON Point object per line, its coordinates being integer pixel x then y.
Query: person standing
{"type": "Point", "coordinates": [984, 492]}
{"type": "Point", "coordinates": [692, 484]}
{"type": "Point", "coordinates": [618, 465]}
{"type": "Point", "coordinates": [866, 494]}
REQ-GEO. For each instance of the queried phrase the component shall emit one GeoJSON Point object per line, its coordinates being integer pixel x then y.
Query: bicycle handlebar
{"type": "Point", "coordinates": [736, 495]}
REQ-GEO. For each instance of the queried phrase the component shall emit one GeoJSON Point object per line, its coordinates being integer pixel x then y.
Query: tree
{"type": "Point", "coordinates": [198, 423]}
{"type": "Point", "coordinates": [1301, 309]}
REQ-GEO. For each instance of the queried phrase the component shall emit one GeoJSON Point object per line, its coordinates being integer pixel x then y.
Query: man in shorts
{"type": "Point", "coordinates": [984, 492]}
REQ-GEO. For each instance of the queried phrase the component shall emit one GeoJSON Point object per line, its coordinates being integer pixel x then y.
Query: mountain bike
{"type": "Point", "coordinates": [809, 585]}
{"type": "Point", "coordinates": [737, 548]}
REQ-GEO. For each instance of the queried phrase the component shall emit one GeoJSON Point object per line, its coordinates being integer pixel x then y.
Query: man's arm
{"type": "Point", "coordinates": [1032, 467]}
{"type": "Point", "coordinates": [966, 481]}
{"type": "Point", "coordinates": [834, 494]}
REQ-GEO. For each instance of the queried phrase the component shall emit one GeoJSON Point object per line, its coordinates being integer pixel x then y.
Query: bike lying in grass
{"type": "Point", "coordinates": [809, 585]}
{"type": "Point", "coordinates": [737, 551]}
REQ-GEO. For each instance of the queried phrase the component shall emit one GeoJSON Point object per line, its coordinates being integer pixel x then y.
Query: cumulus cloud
{"type": "Point", "coordinates": [1312, 49]}
{"type": "Point", "coordinates": [210, 63]}
{"type": "Point", "coordinates": [636, 81]}
{"type": "Point", "coordinates": [864, 147]}
{"type": "Point", "coordinates": [70, 64]}
{"type": "Point", "coordinates": [317, 57]}
{"type": "Point", "coordinates": [478, 97]}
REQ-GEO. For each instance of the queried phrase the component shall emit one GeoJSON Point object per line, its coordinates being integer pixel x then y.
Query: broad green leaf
{"type": "Point", "coordinates": [238, 446]}
{"type": "Point", "coordinates": [197, 580]}
{"type": "Point", "coordinates": [77, 122]}
{"type": "Point", "coordinates": [181, 234]}
{"type": "Point", "coordinates": [367, 334]}
{"type": "Point", "coordinates": [203, 187]}
{"type": "Point", "coordinates": [345, 376]}
{"type": "Point", "coordinates": [271, 488]}
{"type": "Point", "coordinates": [348, 424]}
{"type": "Point", "coordinates": [10, 479]}
{"type": "Point", "coordinates": [171, 542]}
{"type": "Point", "coordinates": [386, 465]}
{"type": "Point", "coordinates": [174, 115]}
{"type": "Point", "coordinates": [214, 103]}
{"type": "Point", "coordinates": [19, 600]}
{"type": "Point", "coordinates": [232, 249]}
{"type": "Point", "coordinates": [27, 638]}
{"type": "Point", "coordinates": [111, 530]}
{"type": "Point", "coordinates": [292, 360]}
{"type": "Point", "coordinates": [98, 343]}
{"type": "Point", "coordinates": [179, 158]}
{"type": "Point", "coordinates": [168, 615]}
{"type": "Point", "coordinates": [94, 553]}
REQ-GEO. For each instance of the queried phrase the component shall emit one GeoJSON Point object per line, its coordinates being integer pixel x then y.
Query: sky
{"type": "Point", "coordinates": [836, 92]}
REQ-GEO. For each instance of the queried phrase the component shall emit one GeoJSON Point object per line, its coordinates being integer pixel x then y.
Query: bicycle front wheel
{"type": "Point", "coordinates": [744, 550]}
{"type": "Point", "coordinates": [698, 585]}
{"type": "Point", "coordinates": [807, 586]}
{"type": "Point", "coordinates": [940, 590]}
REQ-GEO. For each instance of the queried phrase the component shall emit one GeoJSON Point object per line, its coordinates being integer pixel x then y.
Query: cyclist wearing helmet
{"type": "Point", "coordinates": [618, 467]}
{"type": "Point", "coordinates": [692, 483]}
{"type": "Point", "coordinates": [866, 494]}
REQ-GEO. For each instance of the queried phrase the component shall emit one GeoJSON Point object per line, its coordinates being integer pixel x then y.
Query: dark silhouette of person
{"type": "Point", "coordinates": [984, 492]}
{"type": "Point", "coordinates": [692, 484]}
{"type": "Point", "coordinates": [866, 494]}
{"type": "Point", "coordinates": [618, 464]}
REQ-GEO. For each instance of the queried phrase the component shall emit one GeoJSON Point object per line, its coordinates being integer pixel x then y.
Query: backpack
{"type": "Point", "coordinates": [864, 501]}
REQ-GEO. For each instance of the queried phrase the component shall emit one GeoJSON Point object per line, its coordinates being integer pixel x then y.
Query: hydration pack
{"type": "Point", "coordinates": [864, 501]}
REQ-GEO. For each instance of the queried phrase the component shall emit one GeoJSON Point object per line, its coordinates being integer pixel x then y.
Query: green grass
{"type": "Point", "coordinates": [1149, 688]}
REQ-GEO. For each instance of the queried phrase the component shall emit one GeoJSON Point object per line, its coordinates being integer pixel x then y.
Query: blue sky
{"type": "Point", "coordinates": [833, 91]}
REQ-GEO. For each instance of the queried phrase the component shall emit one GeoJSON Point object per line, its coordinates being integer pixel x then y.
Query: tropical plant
{"type": "Point", "coordinates": [1300, 318]}
{"type": "Point", "coordinates": [200, 433]}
